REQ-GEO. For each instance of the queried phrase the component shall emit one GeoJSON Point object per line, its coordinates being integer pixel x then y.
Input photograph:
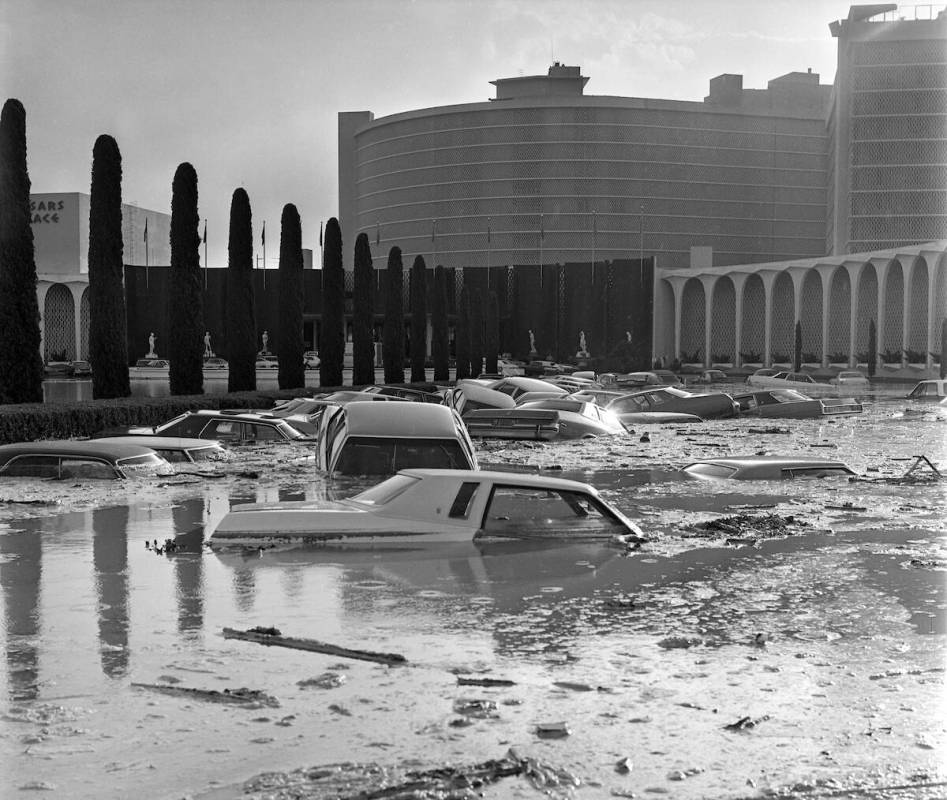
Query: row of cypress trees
{"type": "Point", "coordinates": [21, 366]}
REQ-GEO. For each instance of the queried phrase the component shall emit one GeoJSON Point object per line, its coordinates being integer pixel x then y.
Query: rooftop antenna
{"type": "Point", "coordinates": [552, 51]}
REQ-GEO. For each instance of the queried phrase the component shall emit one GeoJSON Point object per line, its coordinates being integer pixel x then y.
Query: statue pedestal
{"type": "Point", "coordinates": [151, 354]}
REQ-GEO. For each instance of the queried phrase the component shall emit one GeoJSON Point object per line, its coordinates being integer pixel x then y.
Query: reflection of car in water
{"type": "Point", "coordinates": [437, 507]}
{"type": "Point", "coordinates": [80, 460]}
{"type": "Point", "coordinates": [765, 468]}
{"type": "Point", "coordinates": [370, 438]}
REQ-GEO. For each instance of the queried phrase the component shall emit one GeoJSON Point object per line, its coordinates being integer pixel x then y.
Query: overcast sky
{"type": "Point", "coordinates": [248, 90]}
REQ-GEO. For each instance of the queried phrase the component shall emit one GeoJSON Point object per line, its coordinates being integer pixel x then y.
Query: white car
{"type": "Point", "coordinates": [435, 507]}
{"type": "Point", "coordinates": [851, 379]}
{"type": "Point", "coordinates": [507, 367]}
{"type": "Point", "coordinates": [311, 359]}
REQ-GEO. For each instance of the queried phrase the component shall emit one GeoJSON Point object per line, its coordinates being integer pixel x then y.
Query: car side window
{"type": "Point", "coordinates": [263, 433]}
{"type": "Point", "coordinates": [85, 469]}
{"type": "Point", "coordinates": [32, 467]}
{"type": "Point", "coordinates": [225, 429]}
{"type": "Point", "coordinates": [461, 505]}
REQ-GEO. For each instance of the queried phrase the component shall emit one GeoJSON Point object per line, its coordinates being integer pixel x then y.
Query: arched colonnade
{"type": "Point", "coordinates": [747, 314]}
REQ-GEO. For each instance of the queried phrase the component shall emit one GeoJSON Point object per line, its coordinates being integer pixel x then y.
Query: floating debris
{"type": "Point", "coordinates": [746, 723]}
{"type": "Point", "coordinates": [482, 709]}
{"type": "Point", "coordinates": [327, 680]}
{"type": "Point", "coordinates": [623, 766]}
{"type": "Point", "coordinates": [462, 681]}
{"type": "Point", "coordinates": [552, 730]}
{"type": "Point", "coordinates": [278, 640]}
{"type": "Point", "coordinates": [766, 525]}
{"type": "Point", "coordinates": [247, 698]}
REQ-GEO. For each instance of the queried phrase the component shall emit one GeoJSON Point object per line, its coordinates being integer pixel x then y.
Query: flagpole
{"type": "Point", "coordinates": [146, 252]}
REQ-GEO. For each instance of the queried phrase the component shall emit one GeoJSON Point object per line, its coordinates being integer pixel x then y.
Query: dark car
{"type": "Point", "coordinates": [87, 460]}
{"type": "Point", "coordinates": [706, 406]}
{"type": "Point", "coordinates": [224, 426]}
{"type": "Point", "coordinates": [175, 449]}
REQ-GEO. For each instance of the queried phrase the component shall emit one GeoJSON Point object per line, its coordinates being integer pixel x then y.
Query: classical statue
{"type": "Point", "coordinates": [583, 348]}
{"type": "Point", "coordinates": [628, 335]}
{"type": "Point", "coordinates": [151, 346]}
{"type": "Point", "coordinates": [266, 342]}
{"type": "Point", "coordinates": [208, 352]}
{"type": "Point", "coordinates": [532, 342]}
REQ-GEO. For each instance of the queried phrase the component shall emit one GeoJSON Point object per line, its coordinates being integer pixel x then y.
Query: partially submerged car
{"type": "Point", "coordinates": [435, 507]}
{"type": "Point", "coordinates": [235, 427]}
{"type": "Point", "coordinates": [94, 459]}
{"type": "Point", "coordinates": [366, 438]}
{"type": "Point", "coordinates": [405, 393]}
{"type": "Point", "coordinates": [790, 404]}
{"type": "Point", "coordinates": [150, 368]}
{"type": "Point", "coordinates": [712, 376]}
{"type": "Point", "coordinates": [802, 381]}
{"type": "Point", "coordinates": [851, 379]}
{"type": "Point", "coordinates": [766, 468]}
{"type": "Point", "coordinates": [927, 391]}
{"type": "Point", "coordinates": [710, 405]}
{"type": "Point", "coordinates": [176, 449]}
{"type": "Point", "coordinates": [512, 423]}
{"type": "Point", "coordinates": [578, 419]}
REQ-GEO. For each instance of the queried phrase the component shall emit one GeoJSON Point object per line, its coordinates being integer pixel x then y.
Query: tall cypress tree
{"type": "Point", "coordinates": [418, 319]}
{"type": "Point", "coordinates": [289, 336]}
{"type": "Point", "coordinates": [108, 350]}
{"type": "Point", "coordinates": [363, 313]}
{"type": "Point", "coordinates": [943, 349]}
{"type": "Point", "coordinates": [491, 333]}
{"type": "Point", "coordinates": [872, 348]}
{"type": "Point", "coordinates": [21, 364]}
{"type": "Point", "coordinates": [440, 346]}
{"type": "Point", "coordinates": [393, 333]}
{"type": "Point", "coordinates": [475, 320]}
{"type": "Point", "coordinates": [462, 336]}
{"type": "Point", "coordinates": [240, 312]}
{"type": "Point", "coordinates": [185, 301]}
{"type": "Point", "coordinates": [332, 344]}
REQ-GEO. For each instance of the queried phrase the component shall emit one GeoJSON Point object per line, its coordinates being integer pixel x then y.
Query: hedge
{"type": "Point", "coordinates": [27, 422]}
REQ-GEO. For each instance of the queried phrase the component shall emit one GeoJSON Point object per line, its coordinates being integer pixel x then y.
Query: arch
{"type": "Point", "coordinates": [839, 322]}
{"type": "Point", "coordinates": [59, 324]}
{"type": "Point", "coordinates": [692, 320]}
{"type": "Point", "coordinates": [723, 321]}
{"type": "Point", "coordinates": [84, 319]}
{"type": "Point", "coordinates": [891, 335]}
{"type": "Point", "coordinates": [782, 334]}
{"type": "Point", "coordinates": [866, 310]}
{"type": "Point", "coordinates": [810, 317]}
{"type": "Point", "coordinates": [917, 312]}
{"type": "Point", "coordinates": [753, 328]}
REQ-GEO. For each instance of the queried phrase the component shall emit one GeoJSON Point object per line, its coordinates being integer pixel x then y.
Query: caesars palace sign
{"type": "Point", "coordinates": [46, 211]}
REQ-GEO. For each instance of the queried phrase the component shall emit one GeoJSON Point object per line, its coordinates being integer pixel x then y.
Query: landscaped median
{"type": "Point", "coordinates": [32, 421]}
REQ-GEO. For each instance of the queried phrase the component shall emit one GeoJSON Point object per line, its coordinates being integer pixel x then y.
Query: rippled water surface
{"type": "Point", "coordinates": [823, 650]}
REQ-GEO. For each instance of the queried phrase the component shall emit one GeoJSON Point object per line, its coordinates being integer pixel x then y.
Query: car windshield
{"type": "Point", "coordinates": [365, 455]}
{"type": "Point", "coordinates": [148, 464]}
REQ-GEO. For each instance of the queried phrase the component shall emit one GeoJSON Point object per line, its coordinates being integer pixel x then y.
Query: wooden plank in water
{"type": "Point", "coordinates": [278, 640]}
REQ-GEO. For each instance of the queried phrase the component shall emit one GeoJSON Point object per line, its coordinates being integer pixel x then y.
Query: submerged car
{"type": "Point", "coordinates": [235, 427]}
{"type": "Point", "coordinates": [578, 419]}
{"type": "Point", "coordinates": [366, 438]}
{"type": "Point", "coordinates": [435, 507]}
{"type": "Point", "coordinates": [788, 403]}
{"type": "Point", "coordinates": [801, 381]}
{"type": "Point", "coordinates": [712, 376]}
{"type": "Point", "coordinates": [932, 390]}
{"type": "Point", "coordinates": [711, 405]}
{"type": "Point", "coordinates": [176, 450]}
{"type": "Point", "coordinates": [766, 468]}
{"type": "Point", "coordinates": [81, 369]}
{"type": "Point", "coordinates": [851, 379]}
{"type": "Point", "coordinates": [94, 459]}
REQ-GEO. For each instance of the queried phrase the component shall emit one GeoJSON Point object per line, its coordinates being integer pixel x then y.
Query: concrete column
{"type": "Point", "coordinates": [739, 280]}
{"type": "Point", "coordinates": [826, 277]}
{"type": "Point", "coordinates": [42, 289]}
{"type": "Point", "coordinates": [709, 281]}
{"type": "Point", "coordinates": [854, 281]}
{"type": "Point", "coordinates": [908, 284]}
{"type": "Point", "coordinates": [77, 289]}
{"type": "Point", "coordinates": [881, 271]}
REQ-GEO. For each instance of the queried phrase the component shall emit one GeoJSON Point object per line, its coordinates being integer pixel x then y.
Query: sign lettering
{"type": "Point", "coordinates": [45, 211]}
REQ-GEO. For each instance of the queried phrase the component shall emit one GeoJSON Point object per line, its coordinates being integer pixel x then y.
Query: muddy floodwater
{"type": "Point", "coordinates": [706, 664]}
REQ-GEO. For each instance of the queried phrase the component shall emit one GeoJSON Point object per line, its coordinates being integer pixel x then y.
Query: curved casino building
{"type": "Point", "coordinates": [545, 173]}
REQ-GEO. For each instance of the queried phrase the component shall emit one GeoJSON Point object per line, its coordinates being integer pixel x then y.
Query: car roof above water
{"type": "Point", "coordinates": [399, 420]}
{"type": "Point", "coordinates": [92, 448]}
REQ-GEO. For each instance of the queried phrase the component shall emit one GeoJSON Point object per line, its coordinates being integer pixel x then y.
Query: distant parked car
{"type": "Point", "coordinates": [311, 359]}
{"type": "Point", "coordinates": [764, 372]}
{"type": "Point", "coordinates": [507, 367]}
{"type": "Point", "coordinates": [86, 460]}
{"type": "Point", "coordinates": [851, 379]}
{"type": "Point", "coordinates": [366, 438]}
{"type": "Point", "coordinates": [267, 362]}
{"type": "Point", "coordinates": [706, 406]}
{"type": "Point", "coordinates": [788, 403]}
{"type": "Point", "coordinates": [538, 367]}
{"type": "Point", "coordinates": [213, 363]}
{"type": "Point", "coordinates": [405, 393]}
{"type": "Point", "coordinates": [801, 381]}
{"type": "Point", "coordinates": [765, 468]}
